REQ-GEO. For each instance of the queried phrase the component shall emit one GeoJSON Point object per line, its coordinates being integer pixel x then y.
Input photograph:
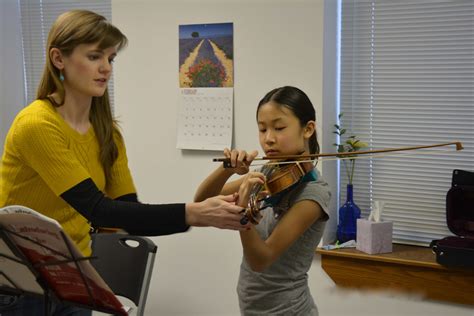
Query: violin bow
{"type": "Point", "coordinates": [251, 213]}
{"type": "Point", "coordinates": [347, 154]}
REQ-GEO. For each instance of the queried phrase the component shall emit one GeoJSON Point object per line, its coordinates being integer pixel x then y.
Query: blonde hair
{"type": "Point", "coordinates": [71, 29]}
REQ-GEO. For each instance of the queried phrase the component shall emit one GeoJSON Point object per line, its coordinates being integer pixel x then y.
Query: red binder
{"type": "Point", "coordinates": [38, 258]}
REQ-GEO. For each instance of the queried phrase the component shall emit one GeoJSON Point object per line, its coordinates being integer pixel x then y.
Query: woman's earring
{"type": "Point", "coordinates": [61, 76]}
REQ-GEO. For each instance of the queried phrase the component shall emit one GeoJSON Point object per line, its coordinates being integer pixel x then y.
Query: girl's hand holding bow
{"type": "Point", "coordinates": [240, 160]}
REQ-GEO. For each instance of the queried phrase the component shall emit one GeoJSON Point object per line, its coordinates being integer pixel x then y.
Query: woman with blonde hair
{"type": "Point", "coordinates": [65, 157]}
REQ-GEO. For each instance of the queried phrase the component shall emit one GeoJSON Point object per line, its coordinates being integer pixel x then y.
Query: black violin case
{"type": "Point", "coordinates": [458, 251]}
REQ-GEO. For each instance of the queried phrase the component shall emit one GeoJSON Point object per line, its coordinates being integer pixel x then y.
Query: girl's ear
{"type": "Point", "coordinates": [56, 58]}
{"type": "Point", "coordinates": [309, 129]}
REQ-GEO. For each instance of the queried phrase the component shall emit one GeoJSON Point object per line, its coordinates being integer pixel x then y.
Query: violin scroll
{"type": "Point", "coordinates": [252, 212]}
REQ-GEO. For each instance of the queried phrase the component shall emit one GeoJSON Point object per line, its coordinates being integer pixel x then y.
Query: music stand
{"type": "Point", "coordinates": [37, 258]}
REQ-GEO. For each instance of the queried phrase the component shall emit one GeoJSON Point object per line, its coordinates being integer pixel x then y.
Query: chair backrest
{"type": "Point", "coordinates": [125, 263]}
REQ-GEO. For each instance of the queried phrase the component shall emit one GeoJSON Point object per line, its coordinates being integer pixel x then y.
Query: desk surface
{"type": "Point", "coordinates": [401, 254]}
{"type": "Point", "coordinates": [407, 268]}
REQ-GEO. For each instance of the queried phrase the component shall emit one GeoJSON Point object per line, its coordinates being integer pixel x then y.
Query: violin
{"type": "Point", "coordinates": [278, 180]}
{"type": "Point", "coordinates": [284, 177]}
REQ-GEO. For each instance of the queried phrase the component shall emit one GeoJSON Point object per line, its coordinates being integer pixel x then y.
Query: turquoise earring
{"type": "Point", "coordinates": [61, 76]}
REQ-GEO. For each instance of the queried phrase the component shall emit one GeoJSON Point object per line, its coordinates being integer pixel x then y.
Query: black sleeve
{"type": "Point", "coordinates": [126, 213]}
{"type": "Point", "coordinates": [132, 197]}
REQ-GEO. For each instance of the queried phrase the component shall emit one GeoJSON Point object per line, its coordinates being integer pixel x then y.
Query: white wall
{"type": "Point", "coordinates": [275, 43]}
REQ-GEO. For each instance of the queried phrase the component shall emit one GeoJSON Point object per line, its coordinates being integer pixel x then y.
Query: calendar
{"type": "Point", "coordinates": [205, 118]}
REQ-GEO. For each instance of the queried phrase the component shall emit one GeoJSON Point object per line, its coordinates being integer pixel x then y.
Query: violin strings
{"type": "Point", "coordinates": [266, 172]}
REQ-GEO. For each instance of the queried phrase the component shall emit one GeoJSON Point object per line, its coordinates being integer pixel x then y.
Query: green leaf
{"type": "Point", "coordinates": [360, 145]}
{"type": "Point", "coordinates": [343, 131]}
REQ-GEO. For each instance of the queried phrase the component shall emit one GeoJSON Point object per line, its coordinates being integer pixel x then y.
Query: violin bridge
{"type": "Point", "coordinates": [300, 168]}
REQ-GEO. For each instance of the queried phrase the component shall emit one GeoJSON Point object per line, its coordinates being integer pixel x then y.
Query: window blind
{"type": "Point", "coordinates": [407, 79]}
{"type": "Point", "coordinates": [37, 17]}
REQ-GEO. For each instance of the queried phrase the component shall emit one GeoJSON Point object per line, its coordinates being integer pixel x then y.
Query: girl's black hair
{"type": "Point", "coordinates": [298, 102]}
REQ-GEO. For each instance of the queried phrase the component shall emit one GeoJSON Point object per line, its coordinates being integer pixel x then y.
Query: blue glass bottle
{"type": "Point", "coordinates": [348, 215]}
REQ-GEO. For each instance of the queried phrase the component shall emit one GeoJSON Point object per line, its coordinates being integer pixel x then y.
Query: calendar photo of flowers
{"type": "Point", "coordinates": [206, 55]}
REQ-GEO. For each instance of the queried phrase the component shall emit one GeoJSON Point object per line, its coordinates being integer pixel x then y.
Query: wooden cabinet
{"type": "Point", "coordinates": [410, 269]}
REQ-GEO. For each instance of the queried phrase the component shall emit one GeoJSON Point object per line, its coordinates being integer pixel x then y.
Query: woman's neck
{"type": "Point", "coordinates": [75, 111]}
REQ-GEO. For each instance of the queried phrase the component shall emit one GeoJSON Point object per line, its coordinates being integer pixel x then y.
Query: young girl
{"type": "Point", "coordinates": [65, 157]}
{"type": "Point", "coordinates": [279, 250]}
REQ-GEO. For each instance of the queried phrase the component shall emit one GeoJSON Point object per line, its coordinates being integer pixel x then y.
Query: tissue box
{"type": "Point", "coordinates": [374, 237]}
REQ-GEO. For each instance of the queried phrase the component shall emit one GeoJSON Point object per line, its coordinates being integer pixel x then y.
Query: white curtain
{"type": "Point", "coordinates": [12, 87]}
{"type": "Point", "coordinates": [407, 78]}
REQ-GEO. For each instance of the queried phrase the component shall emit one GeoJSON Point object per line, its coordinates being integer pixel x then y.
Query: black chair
{"type": "Point", "coordinates": [125, 263]}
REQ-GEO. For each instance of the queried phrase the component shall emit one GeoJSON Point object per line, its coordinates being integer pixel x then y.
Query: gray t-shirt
{"type": "Point", "coordinates": [282, 289]}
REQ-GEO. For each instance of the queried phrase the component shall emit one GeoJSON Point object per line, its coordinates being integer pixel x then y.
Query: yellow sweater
{"type": "Point", "coordinates": [44, 157]}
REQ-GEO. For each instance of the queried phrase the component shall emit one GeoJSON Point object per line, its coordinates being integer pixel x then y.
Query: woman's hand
{"type": "Point", "coordinates": [240, 160]}
{"type": "Point", "coordinates": [249, 181]}
{"type": "Point", "coordinates": [218, 211]}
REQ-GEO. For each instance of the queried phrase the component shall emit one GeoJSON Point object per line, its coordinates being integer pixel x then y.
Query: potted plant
{"type": "Point", "coordinates": [349, 212]}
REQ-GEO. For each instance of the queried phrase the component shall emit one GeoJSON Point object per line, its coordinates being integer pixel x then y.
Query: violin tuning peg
{"type": "Point", "coordinates": [244, 220]}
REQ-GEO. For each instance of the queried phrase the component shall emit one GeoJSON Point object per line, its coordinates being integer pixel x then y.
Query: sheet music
{"type": "Point", "coordinates": [50, 252]}
{"type": "Point", "coordinates": [205, 118]}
